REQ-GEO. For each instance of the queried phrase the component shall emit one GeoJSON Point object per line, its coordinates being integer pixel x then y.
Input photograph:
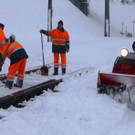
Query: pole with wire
{"type": "Point", "coordinates": [107, 19]}
{"type": "Point", "coordinates": [49, 20]}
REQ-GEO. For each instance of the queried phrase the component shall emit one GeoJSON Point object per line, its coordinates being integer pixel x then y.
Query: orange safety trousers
{"type": "Point", "coordinates": [63, 60]}
{"type": "Point", "coordinates": [17, 67]}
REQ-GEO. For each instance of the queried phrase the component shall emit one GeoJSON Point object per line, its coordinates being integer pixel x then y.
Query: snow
{"type": "Point", "coordinates": [76, 108]}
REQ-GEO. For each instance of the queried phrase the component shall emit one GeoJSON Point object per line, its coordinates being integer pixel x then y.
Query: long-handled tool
{"type": "Point", "coordinates": [4, 57]}
{"type": "Point", "coordinates": [44, 69]}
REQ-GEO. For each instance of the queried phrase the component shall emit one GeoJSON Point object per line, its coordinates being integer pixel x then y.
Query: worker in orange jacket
{"type": "Point", "coordinates": [60, 45]}
{"type": "Point", "coordinates": [17, 55]}
{"type": "Point", "coordinates": [2, 35]}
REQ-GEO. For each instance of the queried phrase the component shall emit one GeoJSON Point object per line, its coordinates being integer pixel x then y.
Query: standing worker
{"type": "Point", "coordinates": [17, 55]}
{"type": "Point", "coordinates": [60, 45]}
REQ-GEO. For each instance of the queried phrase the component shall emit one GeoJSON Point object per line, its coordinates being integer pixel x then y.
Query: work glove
{"type": "Point", "coordinates": [12, 38]}
{"type": "Point", "coordinates": [42, 31]}
{"type": "Point", "coordinates": [67, 50]}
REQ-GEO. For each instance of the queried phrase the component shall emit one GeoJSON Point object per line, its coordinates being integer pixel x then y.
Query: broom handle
{"type": "Point", "coordinates": [42, 50]}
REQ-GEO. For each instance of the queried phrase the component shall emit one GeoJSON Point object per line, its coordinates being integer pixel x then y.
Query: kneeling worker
{"type": "Point", "coordinates": [60, 45]}
{"type": "Point", "coordinates": [17, 55]}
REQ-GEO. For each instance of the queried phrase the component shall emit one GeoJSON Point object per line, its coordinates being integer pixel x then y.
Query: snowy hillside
{"type": "Point", "coordinates": [77, 109]}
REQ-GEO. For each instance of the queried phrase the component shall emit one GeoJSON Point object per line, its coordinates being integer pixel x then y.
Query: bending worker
{"type": "Point", "coordinates": [60, 45]}
{"type": "Point", "coordinates": [17, 55]}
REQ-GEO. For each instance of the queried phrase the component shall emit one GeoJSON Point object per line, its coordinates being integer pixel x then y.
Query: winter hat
{"type": "Point", "coordinates": [133, 46]}
{"type": "Point", "coordinates": [60, 22]}
{"type": "Point", "coordinates": [2, 25]}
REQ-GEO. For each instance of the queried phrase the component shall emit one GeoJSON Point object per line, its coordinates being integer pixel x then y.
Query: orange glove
{"type": "Point", "coordinates": [67, 50]}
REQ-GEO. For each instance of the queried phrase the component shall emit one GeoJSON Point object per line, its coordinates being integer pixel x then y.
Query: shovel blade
{"type": "Point", "coordinates": [44, 71]}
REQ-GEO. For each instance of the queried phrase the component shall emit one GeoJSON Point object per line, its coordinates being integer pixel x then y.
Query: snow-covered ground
{"type": "Point", "coordinates": [77, 108]}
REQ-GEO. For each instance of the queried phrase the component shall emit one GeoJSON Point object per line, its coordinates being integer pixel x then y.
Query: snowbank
{"type": "Point", "coordinates": [77, 108]}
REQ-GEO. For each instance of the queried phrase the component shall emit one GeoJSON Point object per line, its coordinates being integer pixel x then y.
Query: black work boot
{"type": "Point", "coordinates": [63, 71]}
{"type": "Point", "coordinates": [55, 71]}
{"type": "Point", "coordinates": [19, 83]}
{"type": "Point", "coordinates": [9, 84]}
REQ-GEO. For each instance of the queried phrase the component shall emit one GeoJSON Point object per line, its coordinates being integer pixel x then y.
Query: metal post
{"type": "Point", "coordinates": [107, 19]}
{"type": "Point", "coordinates": [126, 32]}
{"type": "Point", "coordinates": [133, 29]}
{"type": "Point", "coordinates": [122, 28]}
{"type": "Point", "coordinates": [49, 21]}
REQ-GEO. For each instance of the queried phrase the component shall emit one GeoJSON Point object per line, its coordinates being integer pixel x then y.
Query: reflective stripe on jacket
{"type": "Point", "coordinates": [15, 51]}
{"type": "Point", "coordinates": [59, 40]}
{"type": "Point", "coordinates": [13, 47]}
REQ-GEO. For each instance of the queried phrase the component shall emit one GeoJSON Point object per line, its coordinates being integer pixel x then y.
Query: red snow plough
{"type": "Point", "coordinates": [120, 84]}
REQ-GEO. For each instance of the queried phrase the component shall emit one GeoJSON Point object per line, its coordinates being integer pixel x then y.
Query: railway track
{"type": "Point", "coordinates": [25, 94]}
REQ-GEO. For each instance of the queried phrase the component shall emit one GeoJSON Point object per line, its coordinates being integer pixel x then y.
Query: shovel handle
{"type": "Point", "coordinates": [42, 50]}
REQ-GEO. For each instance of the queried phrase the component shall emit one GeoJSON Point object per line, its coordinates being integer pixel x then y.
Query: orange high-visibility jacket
{"type": "Point", "coordinates": [60, 40]}
{"type": "Point", "coordinates": [2, 37]}
{"type": "Point", "coordinates": [13, 51]}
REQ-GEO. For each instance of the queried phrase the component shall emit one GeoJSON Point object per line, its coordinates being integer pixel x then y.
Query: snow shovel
{"type": "Point", "coordinates": [43, 69]}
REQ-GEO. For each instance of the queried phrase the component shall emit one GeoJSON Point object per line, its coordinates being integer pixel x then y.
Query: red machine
{"type": "Point", "coordinates": [122, 78]}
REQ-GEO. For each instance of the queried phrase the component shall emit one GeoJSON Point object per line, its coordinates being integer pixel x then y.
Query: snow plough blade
{"type": "Point", "coordinates": [115, 81]}
{"type": "Point", "coordinates": [120, 84]}
{"type": "Point", "coordinates": [120, 87]}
